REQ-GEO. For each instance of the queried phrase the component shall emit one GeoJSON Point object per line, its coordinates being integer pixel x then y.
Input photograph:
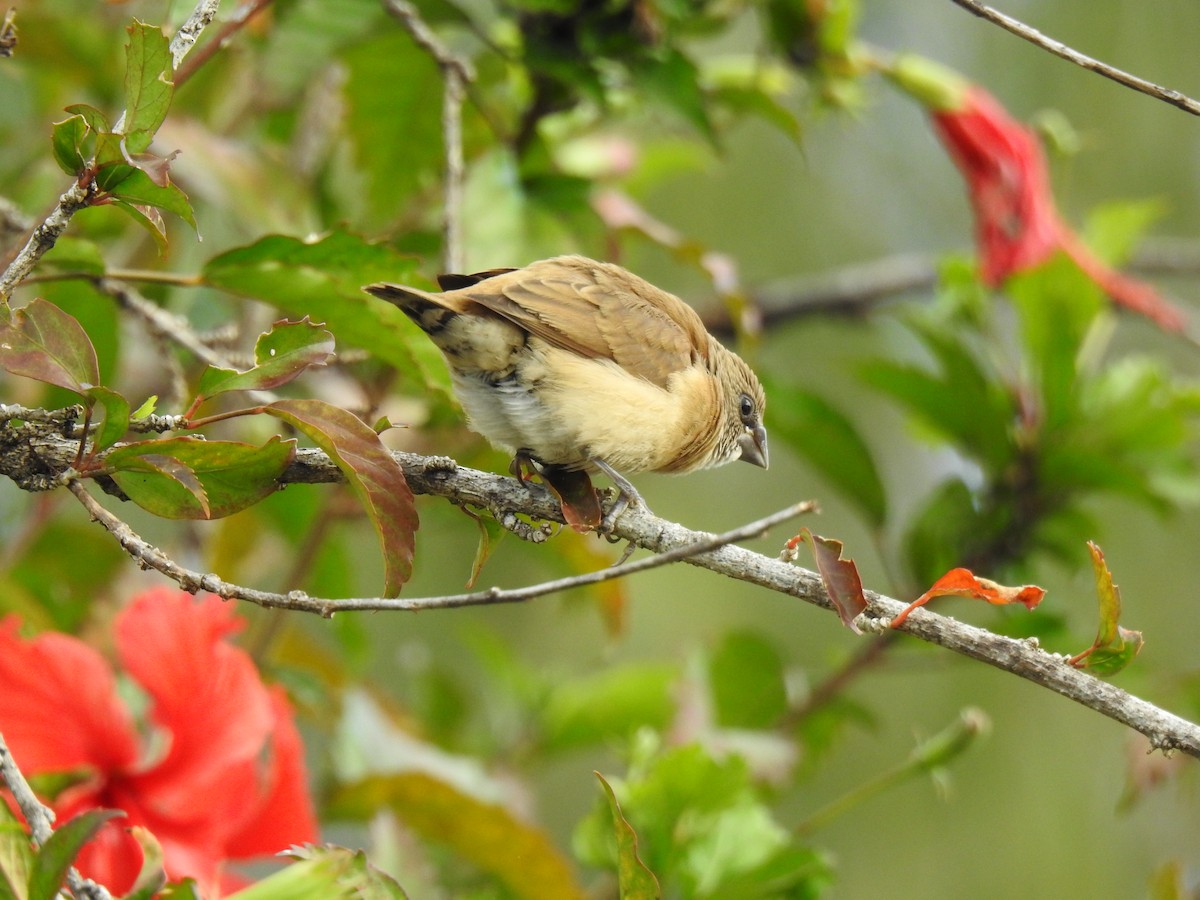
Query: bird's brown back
{"type": "Point", "coordinates": [597, 310]}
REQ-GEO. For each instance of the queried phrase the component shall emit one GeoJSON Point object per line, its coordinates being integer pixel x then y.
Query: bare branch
{"type": "Point", "coordinates": [859, 288]}
{"type": "Point", "coordinates": [506, 497]}
{"type": "Point", "coordinates": [190, 31]}
{"type": "Point", "coordinates": [457, 73]}
{"type": "Point", "coordinates": [41, 821]}
{"type": "Point", "coordinates": [1059, 49]}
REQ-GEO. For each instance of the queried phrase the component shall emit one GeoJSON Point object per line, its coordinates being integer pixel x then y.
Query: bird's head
{"type": "Point", "coordinates": [743, 435]}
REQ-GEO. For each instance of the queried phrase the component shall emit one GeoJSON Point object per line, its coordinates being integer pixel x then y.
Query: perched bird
{"type": "Point", "coordinates": [583, 365]}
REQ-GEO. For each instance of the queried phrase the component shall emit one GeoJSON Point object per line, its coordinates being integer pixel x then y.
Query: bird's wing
{"type": "Point", "coordinates": [599, 311]}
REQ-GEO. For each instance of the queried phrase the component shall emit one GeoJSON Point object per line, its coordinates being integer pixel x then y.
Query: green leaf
{"type": "Point", "coordinates": [1113, 229]}
{"type": "Point", "coordinates": [190, 478]}
{"type": "Point", "coordinates": [634, 880]}
{"type": "Point", "coordinates": [116, 416]}
{"type": "Point", "coordinates": [279, 356]}
{"type": "Point", "coordinates": [42, 342]}
{"type": "Point", "coordinates": [934, 542]}
{"type": "Point", "coordinates": [139, 189]}
{"type": "Point", "coordinates": [71, 254]}
{"type": "Point", "coordinates": [67, 141]}
{"type": "Point", "coordinates": [746, 100]}
{"type": "Point", "coordinates": [149, 219]}
{"type": "Point", "coordinates": [16, 856]}
{"type": "Point", "coordinates": [673, 80]}
{"type": "Point", "coordinates": [1114, 647]}
{"type": "Point", "coordinates": [323, 279]}
{"type": "Point", "coordinates": [959, 402]}
{"type": "Point", "coordinates": [58, 853]}
{"type": "Point", "coordinates": [110, 164]}
{"type": "Point", "coordinates": [148, 83]}
{"type": "Point", "coordinates": [1058, 305]}
{"type": "Point", "coordinates": [608, 705]}
{"type": "Point", "coordinates": [821, 434]}
{"type": "Point", "coordinates": [700, 821]}
{"type": "Point", "coordinates": [397, 133]}
{"type": "Point", "coordinates": [372, 473]}
{"type": "Point", "coordinates": [521, 856]}
{"type": "Point", "coordinates": [146, 409]}
{"type": "Point", "coordinates": [325, 873]}
{"type": "Point", "coordinates": [163, 485]}
{"type": "Point", "coordinates": [747, 679]}
{"type": "Point", "coordinates": [95, 119]}
{"type": "Point", "coordinates": [152, 876]}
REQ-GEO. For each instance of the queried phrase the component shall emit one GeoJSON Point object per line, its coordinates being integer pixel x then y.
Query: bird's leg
{"type": "Point", "coordinates": [626, 494]}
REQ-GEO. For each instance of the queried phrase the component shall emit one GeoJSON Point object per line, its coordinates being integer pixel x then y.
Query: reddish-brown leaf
{"type": "Point", "coordinates": [580, 504]}
{"type": "Point", "coordinates": [964, 583]}
{"type": "Point", "coordinates": [46, 344]}
{"type": "Point", "coordinates": [839, 576]}
{"type": "Point", "coordinates": [372, 473]}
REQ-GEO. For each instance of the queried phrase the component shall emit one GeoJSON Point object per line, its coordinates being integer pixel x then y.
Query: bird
{"type": "Point", "coordinates": [582, 365]}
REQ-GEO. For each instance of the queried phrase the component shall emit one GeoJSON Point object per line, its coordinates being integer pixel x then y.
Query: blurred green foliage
{"type": "Point", "coordinates": [312, 162]}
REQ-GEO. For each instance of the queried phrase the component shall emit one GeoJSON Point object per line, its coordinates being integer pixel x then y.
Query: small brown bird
{"type": "Point", "coordinates": [581, 364]}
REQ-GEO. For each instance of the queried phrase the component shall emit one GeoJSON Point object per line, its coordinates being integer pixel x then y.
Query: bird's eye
{"type": "Point", "coordinates": [747, 407]}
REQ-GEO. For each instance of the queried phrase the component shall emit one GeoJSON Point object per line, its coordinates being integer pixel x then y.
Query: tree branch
{"type": "Point", "coordinates": [859, 288]}
{"type": "Point", "coordinates": [506, 497]}
{"type": "Point", "coordinates": [1061, 50]}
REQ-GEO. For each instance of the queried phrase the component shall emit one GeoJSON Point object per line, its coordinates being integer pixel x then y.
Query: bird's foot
{"type": "Point", "coordinates": [627, 495]}
{"type": "Point", "coordinates": [522, 467]}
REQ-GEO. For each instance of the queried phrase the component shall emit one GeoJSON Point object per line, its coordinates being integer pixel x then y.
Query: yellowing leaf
{"type": "Point", "coordinates": [518, 854]}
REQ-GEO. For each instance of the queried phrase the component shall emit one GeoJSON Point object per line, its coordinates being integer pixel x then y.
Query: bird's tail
{"type": "Point", "coordinates": [427, 310]}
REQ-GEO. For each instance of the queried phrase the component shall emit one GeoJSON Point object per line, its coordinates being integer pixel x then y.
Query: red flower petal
{"type": "Point", "coordinates": [1016, 223]}
{"type": "Point", "coordinates": [1009, 185]}
{"type": "Point", "coordinates": [284, 815]}
{"type": "Point", "coordinates": [207, 697]}
{"type": "Point", "coordinates": [59, 708]}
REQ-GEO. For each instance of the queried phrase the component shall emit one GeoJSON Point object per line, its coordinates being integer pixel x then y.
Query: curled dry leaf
{"type": "Point", "coordinates": [839, 576]}
{"type": "Point", "coordinates": [964, 583]}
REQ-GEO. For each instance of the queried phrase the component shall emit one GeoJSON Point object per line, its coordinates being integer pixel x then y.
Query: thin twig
{"type": "Point", "coordinates": [41, 821]}
{"type": "Point", "coordinates": [166, 327]}
{"type": "Point", "coordinates": [502, 496]}
{"type": "Point", "coordinates": [1059, 49]}
{"type": "Point", "coordinates": [150, 556]}
{"type": "Point", "coordinates": [456, 74]}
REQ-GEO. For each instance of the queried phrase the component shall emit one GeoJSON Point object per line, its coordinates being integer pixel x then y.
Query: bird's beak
{"type": "Point", "coordinates": [754, 446]}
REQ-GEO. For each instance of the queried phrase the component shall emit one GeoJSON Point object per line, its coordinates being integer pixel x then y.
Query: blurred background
{"type": "Point", "coordinates": [323, 115]}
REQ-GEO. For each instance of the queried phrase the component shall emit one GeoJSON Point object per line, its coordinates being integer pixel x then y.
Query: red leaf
{"type": "Point", "coordinates": [839, 576]}
{"type": "Point", "coordinates": [372, 473]}
{"type": "Point", "coordinates": [964, 583]}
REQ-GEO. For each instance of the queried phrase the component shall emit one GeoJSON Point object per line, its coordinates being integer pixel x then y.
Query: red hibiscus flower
{"type": "Point", "coordinates": [1017, 225]}
{"type": "Point", "coordinates": [218, 774]}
